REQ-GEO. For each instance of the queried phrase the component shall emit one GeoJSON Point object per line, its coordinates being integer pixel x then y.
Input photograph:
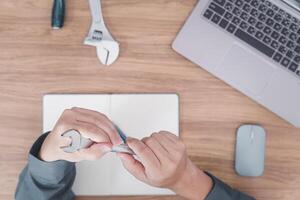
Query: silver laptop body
{"type": "Point", "coordinates": [245, 59]}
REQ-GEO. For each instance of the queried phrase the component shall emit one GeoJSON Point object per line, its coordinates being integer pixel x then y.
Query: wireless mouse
{"type": "Point", "coordinates": [250, 150]}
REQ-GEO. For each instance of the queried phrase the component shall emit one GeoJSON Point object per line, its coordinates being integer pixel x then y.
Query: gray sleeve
{"type": "Point", "coordinates": [225, 192]}
{"type": "Point", "coordinates": [41, 180]}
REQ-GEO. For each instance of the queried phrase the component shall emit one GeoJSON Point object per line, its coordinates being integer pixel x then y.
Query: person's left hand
{"type": "Point", "coordinates": [91, 124]}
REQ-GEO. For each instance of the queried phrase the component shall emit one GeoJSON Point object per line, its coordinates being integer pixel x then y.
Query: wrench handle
{"type": "Point", "coordinates": [95, 6]}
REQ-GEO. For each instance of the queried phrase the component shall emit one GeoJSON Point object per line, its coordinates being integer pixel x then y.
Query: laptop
{"type": "Point", "coordinates": [253, 45]}
{"type": "Point", "coordinates": [137, 115]}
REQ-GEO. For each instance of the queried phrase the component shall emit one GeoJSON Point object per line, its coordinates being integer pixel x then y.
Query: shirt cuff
{"type": "Point", "coordinates": [51, 171]}
{"type": "Point", "coordinates": [223, 191]}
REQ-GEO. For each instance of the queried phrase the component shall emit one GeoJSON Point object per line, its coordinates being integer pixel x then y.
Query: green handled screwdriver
{"type": "Point", "coordinates": [58, 14]}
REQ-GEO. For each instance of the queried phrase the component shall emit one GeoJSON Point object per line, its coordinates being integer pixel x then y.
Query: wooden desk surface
{"type": "Point", "coordinates": [35, 60]}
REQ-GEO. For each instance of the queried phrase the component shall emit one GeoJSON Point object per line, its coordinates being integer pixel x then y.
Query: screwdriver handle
{"type": "Point", "coordinates": [58, 14]}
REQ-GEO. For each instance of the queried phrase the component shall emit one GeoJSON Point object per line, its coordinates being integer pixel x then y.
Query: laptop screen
{"type": "Point", "coordinates": [293, 3]}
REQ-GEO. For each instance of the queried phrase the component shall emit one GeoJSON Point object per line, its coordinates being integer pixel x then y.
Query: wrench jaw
{"type": "Point", "coordinates": [78, 142]}
{"type": "Point", "coordinates": [99, 36]}
{"type": "Point", "coordinates": [108, 51]}
{"type": "Point", "coordinates": [76, 138]}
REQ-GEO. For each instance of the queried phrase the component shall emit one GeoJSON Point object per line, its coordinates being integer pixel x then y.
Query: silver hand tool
{"type": "Point", "coordinates": [122, 148]}
{"type": "Point", "coordinates": [80, 142]}
{"type": "Point", "coordinates": [99, 36]}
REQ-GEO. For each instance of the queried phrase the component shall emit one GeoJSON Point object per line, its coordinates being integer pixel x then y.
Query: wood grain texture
{"type": "Point", "coordinates": [35, 60]}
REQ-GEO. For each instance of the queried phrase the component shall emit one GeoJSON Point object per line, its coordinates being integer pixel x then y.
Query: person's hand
{"type": "Point", "coordinates": [90, 124]}
{"type": "Point", "coordinates": [163, 162]}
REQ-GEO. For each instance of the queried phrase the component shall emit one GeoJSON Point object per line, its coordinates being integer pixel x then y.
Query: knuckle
{"type": "Point", "coordinates": [156, 135]}
{"type": "Point", "coordinates": [149, 140]}
{"type": "Point", "coordinates": [145, 140]}
{"type": "Point", "coordinates": [131, 141]}
{"type": "Point", "coordinates": [74, 108]}
{"type": "Point", "coordinates": [163, 132]}
{"type": "Point", "coordinates": [171, 135]}
{"type": "Point", "coordinates": [67, 111]}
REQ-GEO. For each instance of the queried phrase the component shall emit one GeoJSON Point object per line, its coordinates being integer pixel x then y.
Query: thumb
{"type": "Point", "coordinates": [133, 166]}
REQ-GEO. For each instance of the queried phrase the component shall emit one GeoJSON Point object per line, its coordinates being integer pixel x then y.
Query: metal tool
{"type": "Point", "coordinates": [80, 142]}
{"type": "Point", "coordinates": [58, 14]}
{"type": "Point", "coordinates": [122, 148]}
{"type": "Point", "coordinates": [100, 37]}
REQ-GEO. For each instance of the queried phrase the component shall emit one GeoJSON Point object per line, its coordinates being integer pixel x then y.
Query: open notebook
{"type": "Point", "coordinates": [138, 115]}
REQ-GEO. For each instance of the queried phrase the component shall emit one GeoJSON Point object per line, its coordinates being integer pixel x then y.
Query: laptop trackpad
{"type": "Point", "coordinates": [245, 70]}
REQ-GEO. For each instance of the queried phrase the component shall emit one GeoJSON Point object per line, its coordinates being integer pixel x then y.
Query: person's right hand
{"type": "Point", "coordinates": [163, 162]}
{"type": "Point", "coordinates": [91, 124]}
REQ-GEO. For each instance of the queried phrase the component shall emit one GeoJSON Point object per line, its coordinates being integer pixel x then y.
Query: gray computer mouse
{"type": "Point", "coordinates": [250, 150]}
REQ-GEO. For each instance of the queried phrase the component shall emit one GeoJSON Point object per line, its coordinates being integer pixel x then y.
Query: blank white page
{"type": "Point", "coordinates": [138, 115]}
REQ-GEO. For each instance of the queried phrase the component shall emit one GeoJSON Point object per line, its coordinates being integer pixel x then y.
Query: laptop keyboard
{"type": "Point", "coordinates": [262, 25]}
